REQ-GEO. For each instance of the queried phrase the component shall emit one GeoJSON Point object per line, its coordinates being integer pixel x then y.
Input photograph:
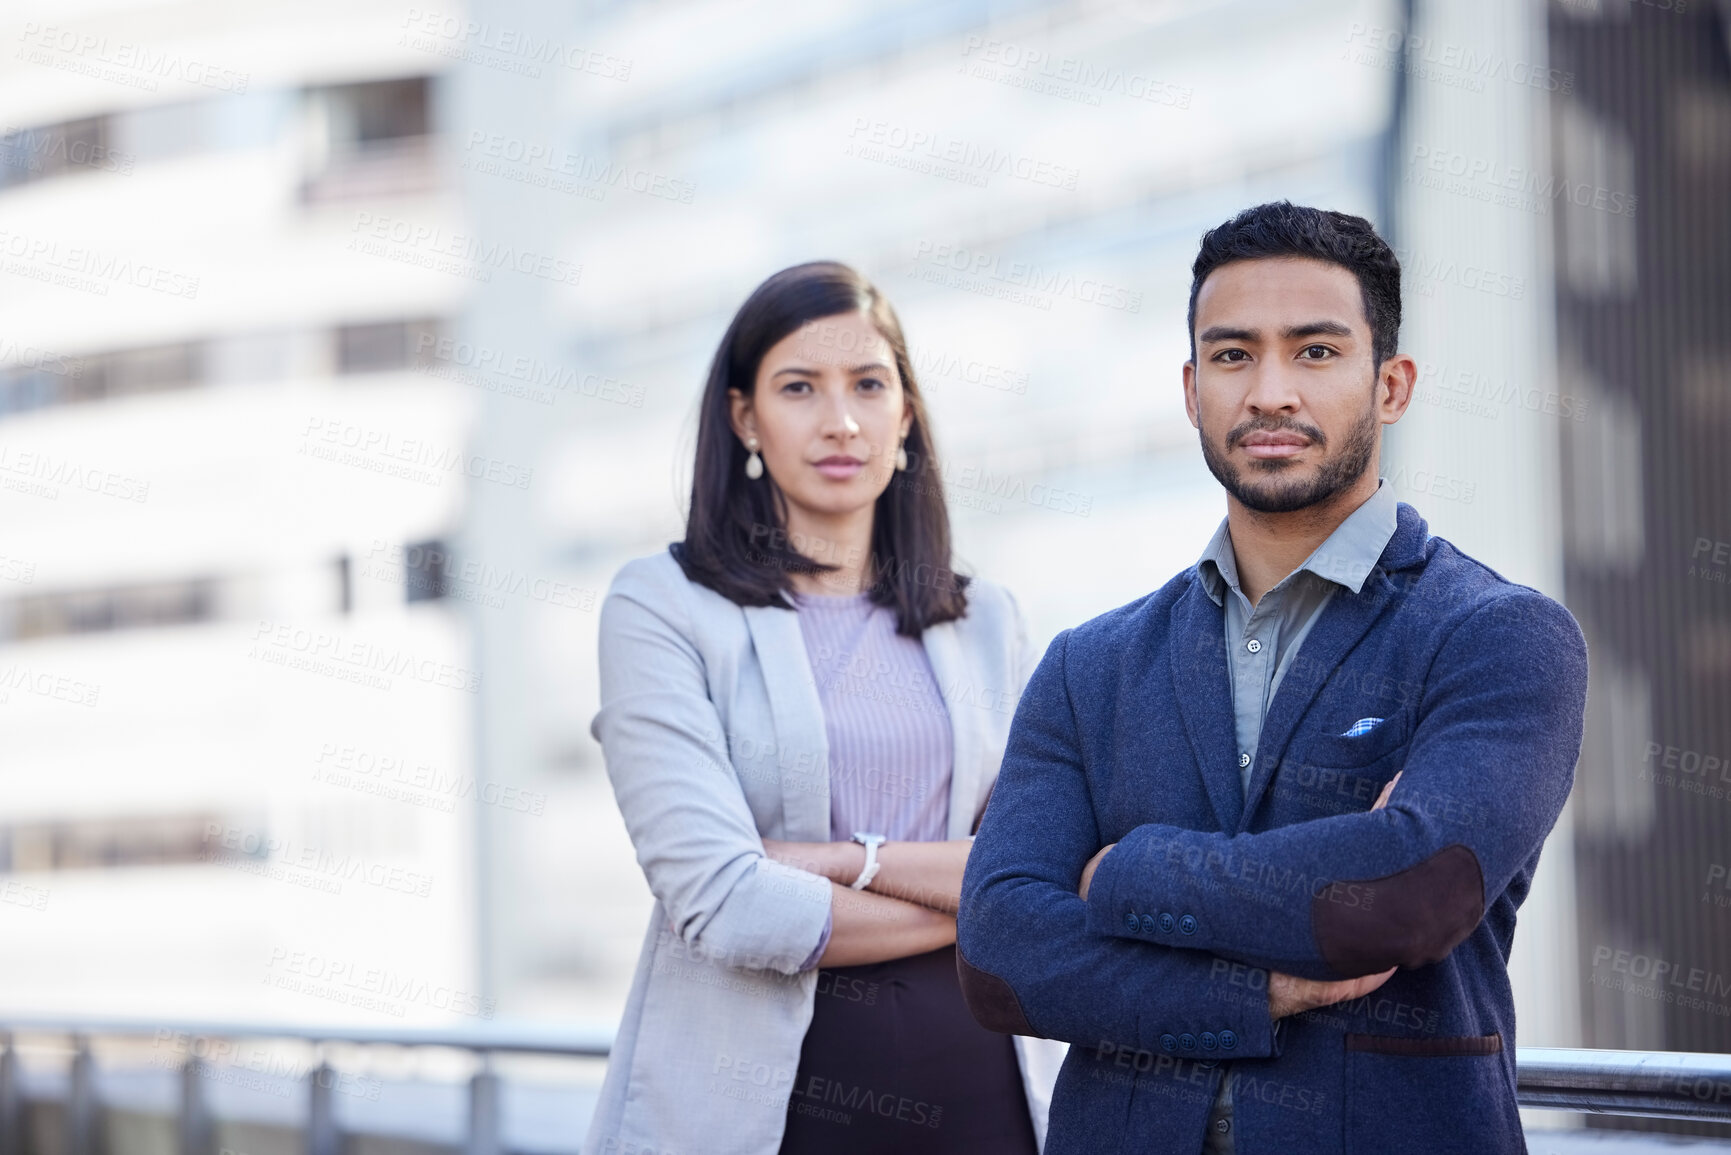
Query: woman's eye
{"type": "Point", "coordinates": [871, 383]}
{"type": "Point", "coordinates": [796, 387]}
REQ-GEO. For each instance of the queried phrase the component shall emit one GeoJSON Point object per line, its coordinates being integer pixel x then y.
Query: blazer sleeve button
{"type": "Point", "coordinates": [1168, 1043]}
{"type": "Point", "coordinates": [1187, 924]}
{"type": "Point", "coordinates": [1147, 924]}
{"type": "Point", "coordinates": [1130, 920]}
{"type": "Point", "coordinates": [1228, 1040]}
{"type": "Point", "coordinates": [1187, 1041]}
{"type": "Point", "coordinates": [1167, 922]}
{"type": "Point", "coordinates": [1209, 1042]}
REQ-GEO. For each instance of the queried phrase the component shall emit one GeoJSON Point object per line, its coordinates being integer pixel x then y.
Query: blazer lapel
{"type": "Point", "coordinates": [1344, 622]}
{"type": "Point", "coordinates": [802, 744]}
{"type": "Point", "coordinates": [1200, 682]}
{"type": "Point", "coordinates": [962, 699]}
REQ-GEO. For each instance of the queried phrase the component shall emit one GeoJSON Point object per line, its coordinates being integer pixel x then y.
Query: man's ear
{"type": "Point", "coordinates": [1394, 387]}
{"type": "Point", "coordinates": [1190, 395]}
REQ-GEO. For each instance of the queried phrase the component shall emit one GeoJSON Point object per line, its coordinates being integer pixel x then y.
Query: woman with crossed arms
{"type": "Point", "coordinates": [803, 709]}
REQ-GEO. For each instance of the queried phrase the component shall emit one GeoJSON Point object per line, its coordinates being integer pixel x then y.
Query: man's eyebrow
{"type": "Point", "coordinates": [1227, 333]}
{"type": "Point", "coordinates": [1316, 329]}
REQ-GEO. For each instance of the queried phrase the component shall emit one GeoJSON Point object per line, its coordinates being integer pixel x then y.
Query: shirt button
{"type": "Point", "coordinates": [1253, 646]}
{"type": "Point", "coordinates": [1244, 759]}
{"type": "Point", "coordinates": [1221, 1126]}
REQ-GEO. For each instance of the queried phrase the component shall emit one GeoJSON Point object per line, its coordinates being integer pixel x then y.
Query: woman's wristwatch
{"type": "Point", "coordinates": [871, 842]}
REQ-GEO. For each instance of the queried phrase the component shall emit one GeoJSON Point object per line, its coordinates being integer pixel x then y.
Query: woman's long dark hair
{"type": "Point", "coordinates": [736, 540]}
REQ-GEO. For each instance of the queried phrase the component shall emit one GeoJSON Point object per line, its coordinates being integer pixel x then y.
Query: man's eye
{"type": "Point", "coordinates": [1317, 352]}
{"type": "Point", "coordinates": [1232, 355]}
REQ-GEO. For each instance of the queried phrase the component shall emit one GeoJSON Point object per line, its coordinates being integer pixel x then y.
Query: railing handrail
{"type": "Point", "coordinates": [1661, 1084]}
{"type": "Point", "coordinates": [487, 1035]}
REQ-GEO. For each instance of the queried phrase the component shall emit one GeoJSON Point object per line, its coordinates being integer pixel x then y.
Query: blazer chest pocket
{"type": "Point", "coordinates": [1339, 752]}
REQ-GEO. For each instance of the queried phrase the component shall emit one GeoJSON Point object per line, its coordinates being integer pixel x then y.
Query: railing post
{"type": "Point", "coordinates": [323, 1138]}
{"type": "Point", "coordinates": [81, 1122]}
{"type": "Point", "coordinates": [11, 1102]}
{"type": "Point", "coordinates": [484, 1109]}
{"type": "Point", "coordinates": [196, 1131]}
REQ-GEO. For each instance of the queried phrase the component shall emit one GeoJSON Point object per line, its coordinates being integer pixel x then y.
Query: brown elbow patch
{"type": "Point", "coordinates": [994, 1004]}
{"type": "Point", "coordinates": [1411, 918]}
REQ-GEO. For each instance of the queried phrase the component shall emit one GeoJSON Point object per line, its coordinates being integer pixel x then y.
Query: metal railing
{"type": "Point", "coordinates": [321, 1134]}
{"type": "Point", "coordinates": [1668, 1085]}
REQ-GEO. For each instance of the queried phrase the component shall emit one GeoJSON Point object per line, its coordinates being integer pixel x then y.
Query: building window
{"type": "Point", "coordinates": [85, 843]}
{"type": "Point", "coordinates": [31, 154]}
{"type": "Point", "coordinates": [370, 139]}
{"type": "Point", "coordinates": [112, 608]}
{"type": "Point", "coordinates": [385, 346]}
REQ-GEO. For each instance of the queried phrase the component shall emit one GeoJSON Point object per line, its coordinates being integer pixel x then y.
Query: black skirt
{"type": "Point", "coordinates": [894, 1062]}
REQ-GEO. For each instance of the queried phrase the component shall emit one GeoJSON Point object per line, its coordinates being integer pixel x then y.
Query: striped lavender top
{"type": "Point", "coordinates": [890, 752]}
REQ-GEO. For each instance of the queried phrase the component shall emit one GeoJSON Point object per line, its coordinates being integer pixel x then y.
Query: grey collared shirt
{"type": "Point", "coordinates": [1261, 642]}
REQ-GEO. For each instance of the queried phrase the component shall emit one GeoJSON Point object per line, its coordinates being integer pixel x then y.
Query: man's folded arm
{"type": "Point", "coordinates": [1487, 771]}
{"type": "Point", "coordinates": [1027, 961]}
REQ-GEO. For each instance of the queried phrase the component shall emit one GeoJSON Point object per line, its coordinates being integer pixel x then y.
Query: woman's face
{"type": "Point", "coordinates": [828, 412]}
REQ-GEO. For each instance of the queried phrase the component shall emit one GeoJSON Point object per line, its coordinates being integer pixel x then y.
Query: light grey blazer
{"type": "Point", "coordinates": [714, 740]}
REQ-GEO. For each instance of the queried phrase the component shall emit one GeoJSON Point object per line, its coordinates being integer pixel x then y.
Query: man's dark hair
{"type": "Point", "coordinates": [1283, 229]}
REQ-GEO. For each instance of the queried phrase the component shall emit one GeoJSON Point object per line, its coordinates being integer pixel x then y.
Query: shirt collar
{"type": "Point", "coordinates": [1345, 557]}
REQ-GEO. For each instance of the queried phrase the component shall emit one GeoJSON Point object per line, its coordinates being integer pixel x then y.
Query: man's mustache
{"type": "Point", "coordinates": [1276, 425]}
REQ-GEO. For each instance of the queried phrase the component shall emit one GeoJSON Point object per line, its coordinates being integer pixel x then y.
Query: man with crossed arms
{"type": "Point", "coordinates": [1198, 838]}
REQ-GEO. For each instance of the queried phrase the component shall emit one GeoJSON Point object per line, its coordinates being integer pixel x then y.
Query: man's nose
{"type": "Point", "coordinates": [1273, 389]}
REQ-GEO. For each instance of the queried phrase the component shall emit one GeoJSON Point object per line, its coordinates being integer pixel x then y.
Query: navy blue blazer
{"type": "Point", "coordinates": [1159, 981]}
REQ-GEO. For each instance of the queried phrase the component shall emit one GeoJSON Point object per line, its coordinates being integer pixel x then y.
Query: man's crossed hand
{"type": "Point", "coordinates": [1288, 994]}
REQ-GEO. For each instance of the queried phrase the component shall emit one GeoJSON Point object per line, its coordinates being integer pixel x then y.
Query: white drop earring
{"type": "Point", "coordinates": [902, 457]}
{"type": "Point", "coordinates": [754, 463]}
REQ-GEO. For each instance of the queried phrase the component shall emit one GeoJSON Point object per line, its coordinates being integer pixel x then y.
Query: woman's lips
{"type": "Point", "coordinates": [839, 468]}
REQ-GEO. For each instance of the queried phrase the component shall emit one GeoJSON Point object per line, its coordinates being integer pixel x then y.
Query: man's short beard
{"type": "Point", "coordinates": [1336, 474]}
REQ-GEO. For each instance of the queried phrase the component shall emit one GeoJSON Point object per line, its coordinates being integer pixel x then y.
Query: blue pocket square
{"type": "Point", "coordinates": [1362, 727]}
